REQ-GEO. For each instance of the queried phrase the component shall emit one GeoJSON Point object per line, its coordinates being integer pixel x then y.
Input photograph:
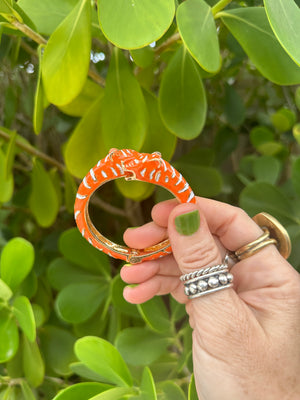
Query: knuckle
{"type": "Point", "coordinates": [199, 255]}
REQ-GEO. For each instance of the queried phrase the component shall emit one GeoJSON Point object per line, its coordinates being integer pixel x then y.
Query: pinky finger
{"type": "Point", "coordinates": [158, 285]}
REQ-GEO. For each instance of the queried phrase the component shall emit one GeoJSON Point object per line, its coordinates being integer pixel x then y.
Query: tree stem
{"type": "Point", "coordinates": [28, 32]}
{"type": "Point", "coordinates": [219, 6]}
{"type": "Point", "coordinates": [172, 39]}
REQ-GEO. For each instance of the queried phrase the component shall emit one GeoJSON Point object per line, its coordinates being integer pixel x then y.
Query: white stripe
{"type": "Point", "coordinates": [104, 174]}
{"type": "Point", "coordinates": [123, 152]}
{"type": "Point", "coordinates": [191, 196]}
{"type": "Point", "coordinates": [186, 186]}
{"type": "Point", "coordinates": [85, 183]}
{"type": "Point", "coordinates": [164, 163]}
{"type": "Point", "coordinates": [120, 168]}
{"type": "Point", "coordinates": [114, 171]}
{"type": "Point", "coordinates": [92, 173]}
{"type": "Point", "coordinates": [83, 232]}
{"type": "Point", "coordinates": [98, 163]}
{"type": "Point", "coordinates": [90, 240]}
{"type": "Point", "coordinates": [152, 173]}
{"type": "Point", "coordinates": [106, 158]}
{"type": "Point", "coordinates": [173, 172]}
{"type": "Point", "coordinates": [76, 213]}
{"type": "Point", "coordinates": [143, 172]}
{"type": "Point", "coordinates": [81, 196]}
{"type": "Point", "coordinates": [166, 179]}
{"type": "Point", "coordinates": [157, 176]}
{"type": "Point", "coordinates": [179, 180]}
{"type": "Point", "coordinates": [145, 159]}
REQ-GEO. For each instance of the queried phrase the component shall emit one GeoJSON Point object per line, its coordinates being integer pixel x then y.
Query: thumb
{"type": "Point", "coordinates": [194, 247]}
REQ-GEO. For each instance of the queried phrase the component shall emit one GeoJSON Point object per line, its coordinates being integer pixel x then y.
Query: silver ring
{"type": "Point", "coordinates": [207, 280]}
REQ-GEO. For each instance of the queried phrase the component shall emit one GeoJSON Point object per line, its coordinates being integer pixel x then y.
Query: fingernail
{"type": "Point", "coordinates": [133, 227]}
{"type": "Point", "coordinates": [127, 265]}
{"type": "Point", "coordinates": [188, 223]}
{"type": "Point", "coordinates": [132, 285]}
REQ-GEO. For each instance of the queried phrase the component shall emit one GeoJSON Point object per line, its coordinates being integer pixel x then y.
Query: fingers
{"type": "Point", "coordinates": [145, 236]}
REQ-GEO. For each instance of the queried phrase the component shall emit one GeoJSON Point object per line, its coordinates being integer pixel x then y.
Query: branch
{"type": "Point", "coordinates": [220, 6]}
{"type": "Point", "coordinates": [172, 39]}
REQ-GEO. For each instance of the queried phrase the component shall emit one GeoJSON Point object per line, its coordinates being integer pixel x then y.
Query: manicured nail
{"type": "Point", "coordinates": [133, 285]}
{"type": "Point", "coordinates": [127, 265]}
{"type": "Point", "coordinates": [188, 223]}
{"type": "Point", "coordinates": [133, 227]}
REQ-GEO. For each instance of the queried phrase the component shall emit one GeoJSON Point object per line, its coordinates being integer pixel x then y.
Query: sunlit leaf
{"type": "Point", "coordinates": [283, 119]}
{"type": "Point", "coordinates": [81, 391]}
{"type": "Point", "coordinates": [143, 57]}
{"type": "Point", "coordinates": [182, 105]}
{"type": "Point", "coordinates": [192, 390]}
{"type": "Point", "coordinates": [284, 18]}
{"type": "Point", "coordinates": [24, 314]}
{"type": "Point", "coordinates": [17, 259]}
{"type": "Point", "coordinates": [43, 200]}
{"type": "Point", "coordinates": [266, 169]}
{"type": "Point", "coordinates": [124, 113]}
{"type": "Point", "coordinates": [148, 391]}
{"type": "Point", "coordinates": [67, 56]}
{"type": "Point", "coordinates": [198, 30]}
{"type": "Point", "coordinates": [5, 291]}
{"type": "Point", "coordinates": [6, 183]}
{"type": "Point", "coordinates": [9, 335]}
{"type": "Point", "coordinates": [39, 97]}
{"type": "Point", "coordinates": [251, 28]}
{"type": "Point", "coordinates": [155, 314]}
{"type": "Point", "coordinates": [85, 147]}
{"type": "Point", "coordinates": [33, 364]}
{"type": "Point", "coordinates": [148, 21]}
{"type": "Point", "coordinates": [102, 357]}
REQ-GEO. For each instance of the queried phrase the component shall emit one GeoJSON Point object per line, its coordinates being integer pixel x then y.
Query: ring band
{"type": "Point", "coordinates": [274, 233]}
{"type": "Point", "coordinates": [207, 280]}
{"type": "Point", "coordinates": [131, 165]}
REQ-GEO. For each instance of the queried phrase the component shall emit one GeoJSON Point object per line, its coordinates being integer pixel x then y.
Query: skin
{"type": "Point", "coordinates": [246, 339]}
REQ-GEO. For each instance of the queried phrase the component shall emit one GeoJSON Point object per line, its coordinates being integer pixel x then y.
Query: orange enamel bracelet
{"type": "Point", "coordinates": [131, 165]}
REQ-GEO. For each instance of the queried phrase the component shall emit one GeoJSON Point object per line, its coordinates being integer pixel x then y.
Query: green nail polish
{"type": "Point", "coordinates": [188, 223]}
{"type": "Point", "coordinates": [133, 285]}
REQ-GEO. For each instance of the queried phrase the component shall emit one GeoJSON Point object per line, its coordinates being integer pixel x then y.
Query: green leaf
{"type": "Point", "coordinates": [234, 108]}
{"type": "Point", "coordinates": [124, 113]}
{"type": "Point", "coordinates": [143, 57]}
{"type": "Point", "coordinates": [81, 104]}
{"type": "Point", "coordinates": [261, 196]}
{"type": "Point", "coordinates": [226, 141]}
{"type": "Point", "coordinates": [8, 12]}
{"type": "Point", "coordinates": [26, 391]}
{"type": "Point", "coordinates": [67, 56]}
{"type": "Point", "coordinates": [138, 346]}
{"type": "Point", "coordinates": [16, 261]}
{"type": "Point", "coordinates": [6, 184]}
{"type": "Point", "coordinates": [171, 391]}
{"type": "Point", "coordinates": [79, 301]}
{"type": "Point", "coordinates": [266, 169]}
{"type": "Point", "coordinates": [85, 147]}
{"type": "Point", "coordinates": [251, 28]}
{"type": "Point", "coordinates": [113, 394]}
{"type": "Point", "coordinates": [148, 391]}
{"type": "Point", "coordinates": [62, 272]}
{"type": "Point", "coordinates": [148, 21]}
{"type": "Point", "coordinates": [296, 132]}
{"type": "Point", "coordinates": [182, 105]}
{"type": "Point", "coordinates": [205, 181]}
{"type": "Point", "coordinates": [43, 201]}
{"type": "Point", "coordinates": [270, 148]}
{"type": "Point", "coordinates": [198, 30]}
{"type": "Point", "coordinates": [283, 119]}
{"type": "Point", "coordinates": [118, 300]}
{"type": "Point", "coordinates": [9, 335]}
{"type": "Point", "coordinates": [192, 395]}
{"type": "Point", "coordinates": [33, 364]}
{"type": "Point", "coordinates": [5, 291]}
{"type": "Point", "coordinates": [82, 370]}
{"type": "Point", "coordinates": [47, 14]}
{"type": "Point", "coordinates": [296, 176]}
{"type": "Point", "coordinates": [156, 315]}
{"type": "Point", "coordinates": [39, 315]}
{"type": "Point", "coordinates": [81, 391]}
{"type": "Point", "coordinates": [39, 97]}
{"type": "Point", "coordinates": [260, 135]}
{"type": "Point", "coordinates": [158, 137]}
{"type": "Point", "coordinates": [135, 190]}
{"type": "Point", "coordinates": [24, 314]}
{"type": "Point", "coordinates": [284, 18]}
{"type": "Point", "coordinates": [103, 358]}
{"type": "Point", "coordinates": [80, 252]}
{"type": "Point", "coordinates": [57, 347]}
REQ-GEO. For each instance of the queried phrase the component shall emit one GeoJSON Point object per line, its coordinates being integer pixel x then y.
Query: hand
{"type": "Point", "coordinates": [246, 340]}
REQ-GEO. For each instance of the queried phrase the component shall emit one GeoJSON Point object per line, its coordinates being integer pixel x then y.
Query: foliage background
{"type": "Point", "coordinates": [213, 86]}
